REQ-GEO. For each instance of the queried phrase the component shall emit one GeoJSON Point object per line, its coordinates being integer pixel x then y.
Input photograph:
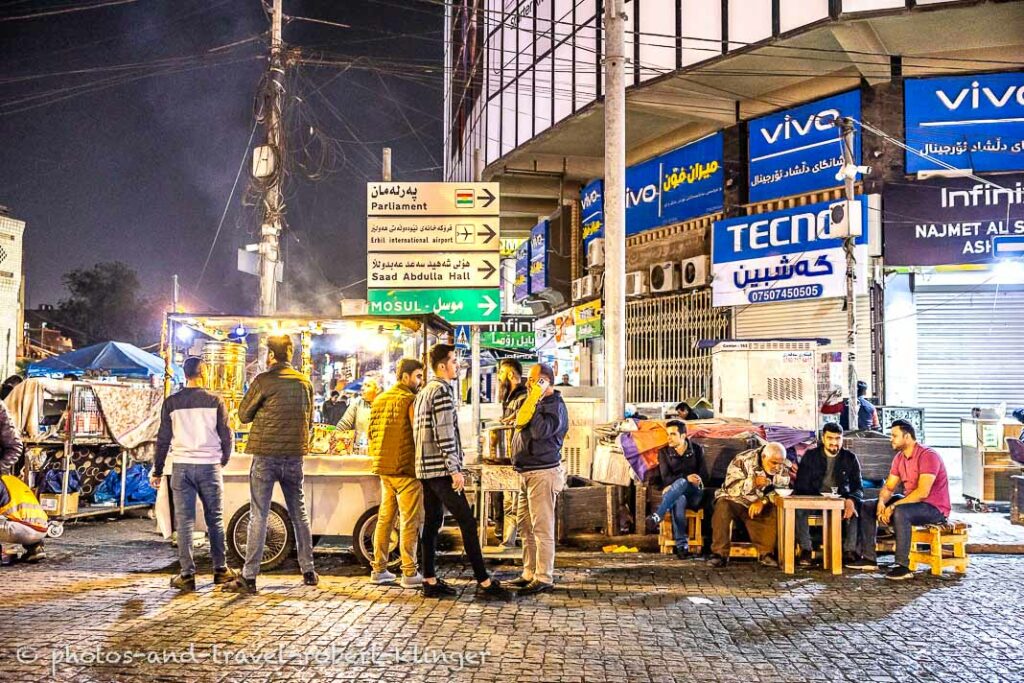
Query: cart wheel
{"type": "Point", "coordinates": [55, 529]}
{"type": "Point", "coordinates": [362, 540]}
{"type": "Point", "coordinates": [280, 543]}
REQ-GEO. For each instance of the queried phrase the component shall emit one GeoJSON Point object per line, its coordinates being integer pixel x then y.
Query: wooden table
{"type": "Point", "coordinates": [831, 510]}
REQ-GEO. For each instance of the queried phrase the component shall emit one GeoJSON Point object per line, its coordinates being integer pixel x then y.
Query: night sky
{"type": "Point", "coordinates": [136, 163]}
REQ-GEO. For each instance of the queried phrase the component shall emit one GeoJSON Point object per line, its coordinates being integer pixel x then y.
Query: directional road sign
{"type": "Point", "coordinates": [478, 306]}
{"type": "Point", "coordinates": [437, 234]}
{"type": "Point", "coordinates": [414, 271]}
{"type": "Point", "coordinates": [432, 199]}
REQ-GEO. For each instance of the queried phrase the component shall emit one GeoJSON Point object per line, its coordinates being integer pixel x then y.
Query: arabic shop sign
{"type": "Point", "coordinates": [592, 205]}
{"type": "Point", "coordinates": [799, 150]}
{"type": "Point", "coordinates": [950, 221]}
{"type": "Point", "coordinates": [539, 257]}
{"type": "Point", "coordinates": [783, 256]}
{"type": "Point", "coordinates": [510, 340]}
{"type": "Point", "coordinates": [676, 186]}
{"type": "Point", "coordinates": [587, 318]}
{"type": "Point", "coordinates": [974, 122]}
{"type": "Point", "coordinates": [521, 285]}
{"type": "Point", "coordinates": [454, 305]}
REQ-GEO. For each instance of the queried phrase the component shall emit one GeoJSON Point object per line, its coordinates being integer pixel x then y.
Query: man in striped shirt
{"type": "Point", "coordinates": [439, 467]}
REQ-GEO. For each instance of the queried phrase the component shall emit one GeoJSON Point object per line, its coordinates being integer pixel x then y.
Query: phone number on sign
{"type": "Point", "coordinates": [785, 294]}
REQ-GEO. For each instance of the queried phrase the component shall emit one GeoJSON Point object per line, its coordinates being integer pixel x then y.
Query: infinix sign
{"type": "Point", "coordinates": [799, 150]}
{"type": "Point", "coordinates": [974, 122]}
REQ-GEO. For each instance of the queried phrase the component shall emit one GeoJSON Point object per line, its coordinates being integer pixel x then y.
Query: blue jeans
{"type": "Point", "coordinates": [903, 518]}
{"type": "Point", "coordinates": [264, 472]}
{"type": "Point", "coordinates": [189, 481]}
{"type": "Point", "coordinates": [677, 498]}
{"type": "Point", "coordinates": [803, 531]}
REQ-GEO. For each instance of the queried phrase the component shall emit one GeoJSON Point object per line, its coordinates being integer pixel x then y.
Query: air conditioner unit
{"type": "Point", "coordinates": [583, 288]}
{"type": "Point", "coordinates": [844, 219]}
{"type": "Point", "coordinates": [694, 272]}
{"type": "Point", "coordinates": [595, 253]}
{"type": "Point", "coordinates": [664, 277]}
{"type": "Point", "coordinates": [635, 285]}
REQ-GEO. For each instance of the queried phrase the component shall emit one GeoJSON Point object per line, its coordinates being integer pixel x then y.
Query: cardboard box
{"type": "Point", "coordinates": [59, 505]}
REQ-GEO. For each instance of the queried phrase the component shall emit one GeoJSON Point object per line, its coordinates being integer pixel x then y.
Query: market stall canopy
{"type": "Point", "coordinates": [116, 358]}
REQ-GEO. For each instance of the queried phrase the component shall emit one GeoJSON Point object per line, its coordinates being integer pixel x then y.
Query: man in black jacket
{"type": "Point", "coordinates": [542, 423]}
{"type": "Point", "coordinates": [679, 464]}
{"type": "Point", "coordinates": [279, 404]}
{"type": "Point", "coordinates": [832, 470]}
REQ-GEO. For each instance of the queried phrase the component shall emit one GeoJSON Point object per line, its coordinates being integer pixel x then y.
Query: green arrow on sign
{"type": "Point", "coordinates": [475, 306]}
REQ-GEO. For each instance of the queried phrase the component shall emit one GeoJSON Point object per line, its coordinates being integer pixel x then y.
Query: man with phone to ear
{"type": "Point", "coordinates": [541, 424]}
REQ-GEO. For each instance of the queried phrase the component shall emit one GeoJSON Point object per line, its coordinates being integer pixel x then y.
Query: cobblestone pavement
{"type": "Point", "coordinates": [103, 593]}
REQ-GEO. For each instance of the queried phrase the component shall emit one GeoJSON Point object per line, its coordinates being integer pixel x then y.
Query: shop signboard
{"type": "Point", "coordinates": [784, 256]}
{"type": "Point", "coordinates": [800, 150]}
{"type": "Point", "coordinates": [539, 257]}
{"type": "Point", "coordinates": [588, 320]}
{"type": "Point", "coordinates": [508, 340]}
{"type": "Point", "coordinates": [521, 285]}
{"type": "Point", "coordinates": [673, 187]}
{"type": "Point", "coordinates": [434, 248]}
{"type": "Point", "coordinates": [950, 221]}
{"type": "Point", "coordinates": [592, 210]}
{"type": "Point", "coordinates": [974, 122]}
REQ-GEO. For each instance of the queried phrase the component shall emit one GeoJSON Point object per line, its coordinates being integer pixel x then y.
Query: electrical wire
{"type": "Point", "coordinates": [67, 9]}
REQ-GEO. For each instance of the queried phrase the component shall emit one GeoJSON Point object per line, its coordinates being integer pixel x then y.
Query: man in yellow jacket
{"type": "Point", "coordinates": [393, 454]}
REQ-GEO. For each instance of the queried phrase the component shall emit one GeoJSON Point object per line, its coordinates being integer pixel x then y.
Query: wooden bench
{"type": "Point", "coordinates": [694, 532]}
{"type": "Point", "coordinates": [939, 546]}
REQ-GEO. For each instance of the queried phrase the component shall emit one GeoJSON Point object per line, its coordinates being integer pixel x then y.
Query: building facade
{"type": "Point", "coordinates": [11, 292]}
{"type": "Point", "coordinates": [733, 153]}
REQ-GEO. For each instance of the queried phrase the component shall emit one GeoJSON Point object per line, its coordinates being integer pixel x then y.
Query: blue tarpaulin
{"type": "Point", "coordinates": [117, 358]}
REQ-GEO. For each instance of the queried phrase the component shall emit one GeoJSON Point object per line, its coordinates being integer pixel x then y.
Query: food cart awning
{"type": "Point", "coordinates": [116, 358]}
{"type": "Point", "coordinates": [222, 326]}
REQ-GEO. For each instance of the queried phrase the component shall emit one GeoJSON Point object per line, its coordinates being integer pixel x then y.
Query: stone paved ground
{"type": "Point", "coordinates": [614, 618]}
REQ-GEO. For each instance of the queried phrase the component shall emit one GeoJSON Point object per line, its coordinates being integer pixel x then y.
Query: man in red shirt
{"type": "Point", "coordinates": [925, 500]}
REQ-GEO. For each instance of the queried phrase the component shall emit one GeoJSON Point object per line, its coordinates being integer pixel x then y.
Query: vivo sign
{"type": "Point", "coordinates": [974, 122]}
{"type": "Point", "coordinates": [798, 150]}
{"type": "Point", "coordinates": [676, 186]}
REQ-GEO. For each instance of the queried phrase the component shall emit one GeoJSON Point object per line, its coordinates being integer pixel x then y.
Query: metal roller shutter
{"type": "Point", "coordinates": [820, 318]}
{"type": "Point", "coordinates": [970, 351]}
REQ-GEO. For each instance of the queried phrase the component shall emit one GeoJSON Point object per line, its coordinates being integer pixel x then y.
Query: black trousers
{"type": "Point", "coordinates": [438, 494]}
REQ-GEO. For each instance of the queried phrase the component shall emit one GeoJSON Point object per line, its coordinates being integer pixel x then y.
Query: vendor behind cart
{"type": "Point", "coordinates": [357, 416]}
{"type": "Point", "coordinates": [11, 449]}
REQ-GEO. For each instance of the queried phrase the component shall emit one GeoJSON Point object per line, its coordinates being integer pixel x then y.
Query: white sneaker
{"type": "Point", "coordinates": [383, 577]}
{"type": "Point", "coordinates": [414, 581]}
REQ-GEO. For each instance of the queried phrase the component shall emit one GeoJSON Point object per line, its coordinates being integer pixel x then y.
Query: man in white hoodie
{"type": "Point", "coordinates": [194, 432]}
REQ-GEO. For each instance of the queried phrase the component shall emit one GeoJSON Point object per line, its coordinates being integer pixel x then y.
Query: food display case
{"type": "Point", "coordinates": [987, 467]}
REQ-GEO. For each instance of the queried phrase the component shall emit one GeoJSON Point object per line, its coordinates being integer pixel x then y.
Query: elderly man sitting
{"type": "Point", "coordinates": [746, 497]}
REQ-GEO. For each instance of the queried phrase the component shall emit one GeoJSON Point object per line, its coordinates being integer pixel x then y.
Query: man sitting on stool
{"type": "Point", "coordinates": [829, 468]}
{"type": "Point", "coordinates": [925, 500]}
{"type": "Point", "coordinates": [679, 463]}
{"type": "Point", "coordinates": [746, 497]}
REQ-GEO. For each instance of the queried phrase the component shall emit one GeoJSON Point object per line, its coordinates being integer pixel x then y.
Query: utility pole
{"type": "Point", "coordinates": [615, 209]}
{"type": "Point", "coordinates": [474, 335]}
{"type": "Point", "coordinates": [273, 202]}
{"type": "Point", "coordinates": [385, 175]}
{"type": "Point", "coordinates": [849, 242]}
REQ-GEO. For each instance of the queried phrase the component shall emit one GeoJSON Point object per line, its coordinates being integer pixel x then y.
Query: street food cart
{"type": "Point", "coordinates": [341, 494]}
{"type": "Point", "coordinates": [988, 469]}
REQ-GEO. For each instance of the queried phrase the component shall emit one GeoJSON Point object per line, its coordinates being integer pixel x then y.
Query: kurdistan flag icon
{"type": "Point", "coordinates": [465, 199]}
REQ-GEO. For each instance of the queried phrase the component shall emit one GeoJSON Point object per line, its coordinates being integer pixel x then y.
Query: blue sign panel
{"type": "Point", "coordinates": [676, 186]}
{"type": "Point", "coordinates": [521, 286]}
{"type": "Point", "coordinates": [800, 150]}
{"type": "Point", "coordinates": [783, 256]}
{"type": "Point", "coordinates": [974, 122]}
{"type": "Point", "coordinates": [539, 257]}
{"type": "Point", "coordinates": [592, 214]}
